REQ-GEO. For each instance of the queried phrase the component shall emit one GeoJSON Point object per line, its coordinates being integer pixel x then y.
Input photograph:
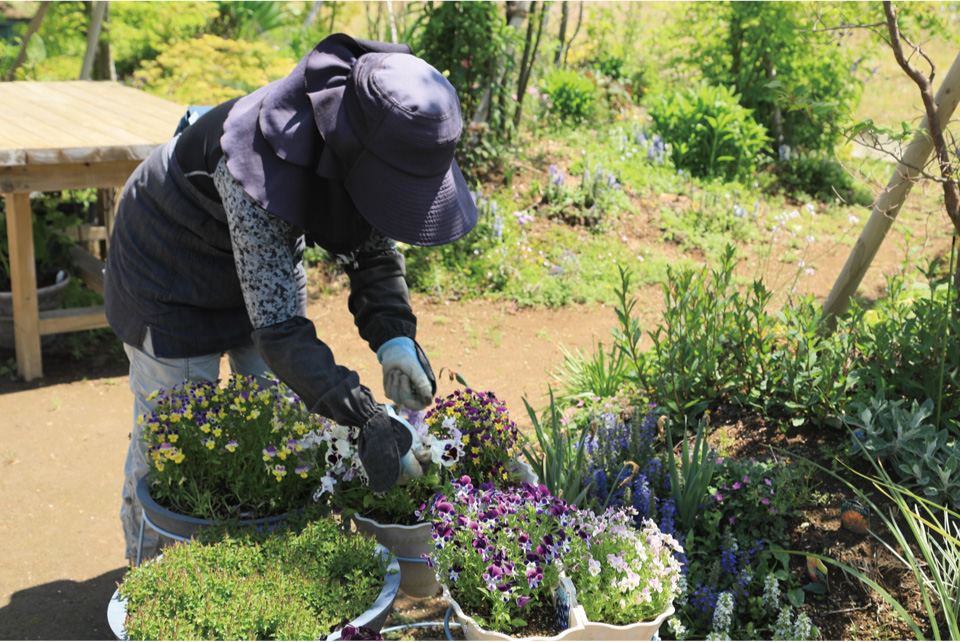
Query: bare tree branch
{"type": "Point", "coordinates": [32, 28]}
{"type": "Point", "coordinates": [925, 84]}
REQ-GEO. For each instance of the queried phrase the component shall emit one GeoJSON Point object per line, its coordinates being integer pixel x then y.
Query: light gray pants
{"type": "Point", "coordinates": [147, 374]}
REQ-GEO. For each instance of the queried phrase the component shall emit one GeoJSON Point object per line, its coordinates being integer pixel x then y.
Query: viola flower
{"type": "Point", "coordinates": [186, 427]}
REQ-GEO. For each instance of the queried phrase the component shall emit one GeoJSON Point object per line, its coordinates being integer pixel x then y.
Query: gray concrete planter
{"type": "Point", "coordinates": [48, 298]}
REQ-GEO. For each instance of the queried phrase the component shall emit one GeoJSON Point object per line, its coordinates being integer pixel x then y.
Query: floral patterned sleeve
{"type": "Point", "coordinates": [263, 250]}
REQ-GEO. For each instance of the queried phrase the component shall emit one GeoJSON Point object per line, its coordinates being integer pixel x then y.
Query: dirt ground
{"type": "Point", "coordinates": [63, 442]}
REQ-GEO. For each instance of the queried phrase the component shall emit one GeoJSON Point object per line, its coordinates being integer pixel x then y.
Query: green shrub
{"type": "Point", "coordinates": [571, 96]}
{"type": "Point", "coordinates": [465, 41]}
{"type": "Point", "coordinates": [781, 66]}
{"type": "Point", "coordinates": [588, 204]}
{"type": "Point", "coordinates": [709, 133]}
{"type": "Point", "coordinates": [140, 31]}
{"type": "Point", "coordinates": [209, 70]}
{"type": "Point", "coordinates": [925, 459]}
{"type": "Point", "coordinates": [822, 178]}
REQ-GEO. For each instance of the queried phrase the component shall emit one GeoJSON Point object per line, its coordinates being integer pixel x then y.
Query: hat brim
{"type": "Point", "coordinates": [416, 210]}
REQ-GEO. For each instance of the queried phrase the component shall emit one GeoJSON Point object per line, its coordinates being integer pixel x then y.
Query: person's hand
{"type": "Point", "coordinates": [390, 450]}
{"type": "Point", "coordinates": [407, 376]}
{"type": "Point", "coordinates": [413, 461]}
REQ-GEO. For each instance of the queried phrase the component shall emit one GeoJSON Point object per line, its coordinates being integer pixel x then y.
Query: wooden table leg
{"type": "Point", "coordinates": [23, 279]}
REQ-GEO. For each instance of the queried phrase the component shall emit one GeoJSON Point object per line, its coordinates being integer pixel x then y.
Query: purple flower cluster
{"type": "Point", "coordinates": [489, 437]}
{"type": "Point", "coordinates": [512, 540]}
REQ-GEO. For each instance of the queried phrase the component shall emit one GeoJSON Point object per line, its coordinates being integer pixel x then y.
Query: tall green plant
{"type": "Point", "coordinates": [559, 458]}
{"type": "Point", "coordinates": [690, 476]}
{"type": "Point", "coordinates": [709, 132]}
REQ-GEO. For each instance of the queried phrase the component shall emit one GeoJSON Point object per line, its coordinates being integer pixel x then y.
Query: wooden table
{"type": "Point", "coordinates": [59, 136]}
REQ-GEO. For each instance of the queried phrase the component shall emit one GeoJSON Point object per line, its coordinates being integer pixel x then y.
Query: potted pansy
{"type": "Point", "coordinates": [506, 556]}
{"type": "Point", "coordinates": [625, 578]}
{"type": "Point", "coordinates": [468, 433]}
{"type": "Point", "coordinates": [499, 554]}
{"type": "Point", "coordinates": [306, 579]}
{"type": "Point", "coordinates": [237, 451]}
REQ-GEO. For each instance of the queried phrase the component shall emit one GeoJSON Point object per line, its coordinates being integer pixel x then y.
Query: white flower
{"type": "Point", "coordinates": [771, 592]}
{"type": "Point", "coordinates": [594, 567]}
{"type": "Point", "coordinates": [311, 440]}
{"type": "Point", "coordinates": [722, 617]}
{"type": "Point", "coordinates": [853, 219]}
{"type": "Point", "coordinates": [677, 628]}
{"type": "Point", "coordinates": [449, 423]}
{"type": "Point", "coordinates": [340, 432]}
{"type": "Point", "coordinates": [803, 628]}
{"type": "Point", "coordinates": [782, 629]}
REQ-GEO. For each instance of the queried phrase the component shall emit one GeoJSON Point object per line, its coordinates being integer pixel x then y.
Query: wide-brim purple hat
{"type": "Point", "coordinates": [363, 117]}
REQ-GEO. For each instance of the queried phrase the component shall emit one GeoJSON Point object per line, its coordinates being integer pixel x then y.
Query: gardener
{"type": "Point", "coordinates": [352, 151]}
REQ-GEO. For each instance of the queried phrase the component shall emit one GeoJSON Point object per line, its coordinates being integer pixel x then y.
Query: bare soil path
{"type": "Point", "coordinates": [63, 442]}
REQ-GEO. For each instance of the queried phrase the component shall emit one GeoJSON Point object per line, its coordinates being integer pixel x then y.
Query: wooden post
{"type": "Point", "coordinates": [23, 283]}
{"type": "Point", "coordinates": [889, 202]}
{"type": "Point", "coordinates": [93, 38]}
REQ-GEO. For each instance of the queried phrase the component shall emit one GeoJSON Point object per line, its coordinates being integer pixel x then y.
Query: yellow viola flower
{"type": "Point", "coordinates": [217, 432]}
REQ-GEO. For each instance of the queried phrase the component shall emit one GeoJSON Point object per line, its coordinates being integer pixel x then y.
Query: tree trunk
{"type": "Point", "coordinates": [93, 38]}
{"type": "Point", "coordinates": [575, 32]}
{"type": "Point", "coordinates": [312, 15]}
{"type": "Point", "coordinates": [104, 67]}
{"type": "Point", "coordinates": [528, 61]}
{"type": "Point", "coordinates": [515, 18]}
{"type": "Point", "coordinates": [32, 28]}
{"type": "Point", "coordinates": [562, 46]}
{"type": "Point", "coordinates": [393, 22]}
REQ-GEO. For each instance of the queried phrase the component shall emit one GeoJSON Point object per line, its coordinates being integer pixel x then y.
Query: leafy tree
{"type": "Point", "coordinates": [140, 31]}
{"type": "Point", "coordinates": [209, 70]}
{"type": "Point", "coordinates": [465, 40]}
{"type": "Point", "coordinates": [771, 55]}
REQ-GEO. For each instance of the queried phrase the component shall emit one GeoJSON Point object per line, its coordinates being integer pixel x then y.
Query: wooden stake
{"type": "Point", "coordinates": [890, 201]}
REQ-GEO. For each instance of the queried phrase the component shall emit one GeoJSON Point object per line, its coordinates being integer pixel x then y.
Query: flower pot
{"type": "Point", "coordinates": [372, 618]}
{"type": "Point", "coordinates": [409, 542]}
{"type": "Point", "coordinates": [636, 631]}
{"type": "Point", "coordinates": [412, 542]}
{"type": "Point", "coordinates": [48, 298]}
{"type": "Point", "coordinates": [184, 526]}
{"type": "Point", "coordinates": [473, 631]}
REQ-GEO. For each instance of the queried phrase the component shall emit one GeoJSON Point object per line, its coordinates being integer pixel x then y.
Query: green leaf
{"type": "Point", "coordinates": [815, 587]}
{"type": "Point", "coordinates": [795, 597]}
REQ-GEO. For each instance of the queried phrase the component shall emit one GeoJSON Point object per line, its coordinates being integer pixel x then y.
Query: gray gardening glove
{"type": "Point", "coordinates": [390, 450]}
{"type": "Point", "coordinates": [407, 376]}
